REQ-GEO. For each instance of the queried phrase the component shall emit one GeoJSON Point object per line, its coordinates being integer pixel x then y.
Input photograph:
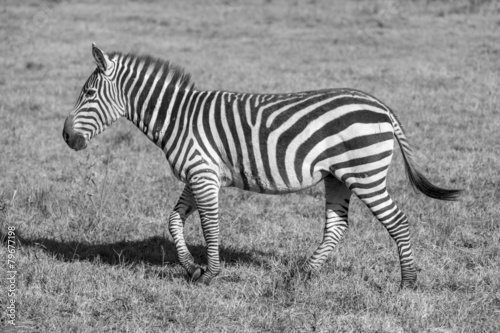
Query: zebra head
{"type": "Point", "coordinates": [98, 105]}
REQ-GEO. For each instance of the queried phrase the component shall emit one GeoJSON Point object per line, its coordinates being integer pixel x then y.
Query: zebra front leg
{"type": "Point", "coordinates": [206, 194]}
{"type": "Point", "coordinates": [337, 197]}
{"type": "Point", "coordinates": [185, 206]}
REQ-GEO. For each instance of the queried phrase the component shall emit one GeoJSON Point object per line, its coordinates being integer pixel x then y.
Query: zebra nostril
{"type": "Point", "coordinates": [66, 137]}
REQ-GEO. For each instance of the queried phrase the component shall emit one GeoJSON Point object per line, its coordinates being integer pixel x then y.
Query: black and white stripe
{"type": "Point", "coordinates": [268, 143]}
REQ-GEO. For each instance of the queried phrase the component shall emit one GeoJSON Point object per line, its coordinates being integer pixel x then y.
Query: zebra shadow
{"type": "Point", "coordinates": [155, 252]}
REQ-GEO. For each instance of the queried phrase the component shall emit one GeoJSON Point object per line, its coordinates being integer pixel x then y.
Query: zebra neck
{"type": "Point", "coordinates": [184, 113]}
{"type": "Point", "coordinates": [152, 110]}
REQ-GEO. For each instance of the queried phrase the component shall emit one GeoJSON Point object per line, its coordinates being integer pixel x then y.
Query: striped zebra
{"type": "Point", "coordinates": [267, 143]}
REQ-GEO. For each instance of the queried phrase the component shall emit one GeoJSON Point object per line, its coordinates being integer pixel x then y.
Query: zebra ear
{"type": "Point", "coordinates": [102, 59]}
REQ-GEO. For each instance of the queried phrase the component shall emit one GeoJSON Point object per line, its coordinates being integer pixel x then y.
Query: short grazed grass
{"type": "Point", "coordinates": [93, 252]}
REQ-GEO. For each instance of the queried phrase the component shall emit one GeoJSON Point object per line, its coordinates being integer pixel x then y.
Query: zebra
{"type": "Point", "coordinates": [266, 143]}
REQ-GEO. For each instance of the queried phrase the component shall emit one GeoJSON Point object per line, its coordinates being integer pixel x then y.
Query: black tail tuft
{"type": "Point", "coordinates": [417, 179]}
{"type": "Point", "coordinates": [422, 184]}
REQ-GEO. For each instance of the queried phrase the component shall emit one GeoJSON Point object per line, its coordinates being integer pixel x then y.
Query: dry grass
{"type": "Point", "coordinates": [93, 251]}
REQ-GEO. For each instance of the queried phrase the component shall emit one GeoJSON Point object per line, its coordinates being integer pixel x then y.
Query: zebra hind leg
{"type": "Point", "coordinates": [337, 197]}
{"type": "Point", "coordinates": [183, 209]}
{"type": "Point", "coordinates": [395, 221]}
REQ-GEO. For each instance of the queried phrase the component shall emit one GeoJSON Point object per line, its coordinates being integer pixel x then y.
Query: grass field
{"type": "Point", "coordinates": [92, 251]}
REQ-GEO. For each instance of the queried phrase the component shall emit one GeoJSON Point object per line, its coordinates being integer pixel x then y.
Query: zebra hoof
{"type": "Point", "coordinates": [299, 275]}
{"type": "Point", "coordinates": [408, 285]}
{"type": "Point", "coordinates": [204, 279]}
{"type": "Point", "coordinates": [195, 273]}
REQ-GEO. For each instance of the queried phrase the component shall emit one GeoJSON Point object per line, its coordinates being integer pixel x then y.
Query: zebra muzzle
{"type": "Point", "coordinates": [74, 140]}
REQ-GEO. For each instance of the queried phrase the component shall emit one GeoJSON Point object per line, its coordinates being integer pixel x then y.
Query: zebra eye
{"type": "Point", "coordinates": [90, 93]}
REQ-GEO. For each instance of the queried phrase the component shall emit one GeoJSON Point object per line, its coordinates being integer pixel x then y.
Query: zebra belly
{"type": "Point", "coordinates": [248, 181]}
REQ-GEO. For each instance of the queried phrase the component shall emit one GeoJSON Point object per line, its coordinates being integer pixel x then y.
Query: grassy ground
{"type": "Point", "coordinates": [93, 253]}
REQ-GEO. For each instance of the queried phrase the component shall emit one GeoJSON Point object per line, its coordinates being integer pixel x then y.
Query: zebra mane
{"type": "Point", "coordinates": [178, 76]}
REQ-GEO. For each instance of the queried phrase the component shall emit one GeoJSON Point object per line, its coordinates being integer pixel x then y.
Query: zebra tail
{"type": "Point", "coordinates": [417, 179]}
